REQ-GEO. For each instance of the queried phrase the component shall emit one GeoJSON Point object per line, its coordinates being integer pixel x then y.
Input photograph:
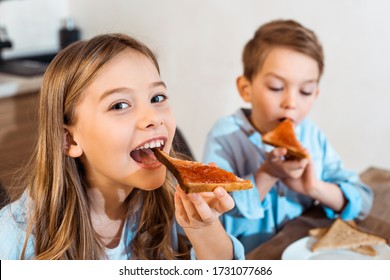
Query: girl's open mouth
{"type": "Point", "coordinates": [144, 153]}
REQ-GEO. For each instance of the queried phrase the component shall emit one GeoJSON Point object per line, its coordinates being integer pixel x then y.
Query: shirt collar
{"type": "Point", "coordinates": [241, 117]}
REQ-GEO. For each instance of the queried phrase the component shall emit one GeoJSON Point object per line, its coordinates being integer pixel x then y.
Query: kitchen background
{"type": "Point", "coordinates": [199, 45]}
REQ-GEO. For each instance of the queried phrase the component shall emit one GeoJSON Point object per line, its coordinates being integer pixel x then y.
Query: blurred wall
{"type": "Point", "coordinates": [199, 45]}
{"type": "Point", "coordinates": [32, 25]}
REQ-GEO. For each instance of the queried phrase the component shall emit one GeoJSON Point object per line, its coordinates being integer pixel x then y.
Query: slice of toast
{"type": "Point", "coordinates": [320, 232]}
{"type": "Point", "coordinates": [283, 135]}
{"type": "Point", "coordinates": [341, 235]}
{"type": "Point", "coordinates": [196, 177]}
{"type": "Point", "coordinates": [364, 249]}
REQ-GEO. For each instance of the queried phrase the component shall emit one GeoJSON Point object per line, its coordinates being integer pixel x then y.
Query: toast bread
{"type": "Point", "coordinates": [283, 135]}
{"type": "Point", "coordinates": [320, 232]}
{"type": "Point", "coordinates": [194, 177]}
{"type": "Point", "coordinates": [341, 235]}
{"type": "Point", "coordinates": [363, 249]}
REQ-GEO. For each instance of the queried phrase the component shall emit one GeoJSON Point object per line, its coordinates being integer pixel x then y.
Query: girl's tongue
{"type": "Point", "coordinates": [144, 156]}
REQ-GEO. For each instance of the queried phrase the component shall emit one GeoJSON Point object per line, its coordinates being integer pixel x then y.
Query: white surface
{"type": "Point", "coordinates": [300, 250]}
{"type": "Point", "coordinates": [32, 25]}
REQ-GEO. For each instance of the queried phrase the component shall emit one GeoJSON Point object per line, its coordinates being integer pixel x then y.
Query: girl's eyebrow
{"type": "Point", "coordinates": [129, 90]}
{"type": "Point", "coordinates": [113, 90]}
{"type": "Point", "coordinates": [157, 84]}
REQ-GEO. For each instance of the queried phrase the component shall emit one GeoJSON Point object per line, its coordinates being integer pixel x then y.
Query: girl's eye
{"type": "Point", "coordinates": [120, 106]}
{"type": "Point", "coordinates": [158, 98]}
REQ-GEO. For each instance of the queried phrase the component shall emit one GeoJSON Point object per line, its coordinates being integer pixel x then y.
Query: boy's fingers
{"type": "Point", "coordinates": [212, 164]}
{"type": "Point", "coordinates": [296, 164]}
{"type": "Point", "coordinates": [277, 153]}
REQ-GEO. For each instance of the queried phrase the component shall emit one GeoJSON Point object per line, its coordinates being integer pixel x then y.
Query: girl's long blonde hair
{"type": "Point", "coordinates": [59, 216]}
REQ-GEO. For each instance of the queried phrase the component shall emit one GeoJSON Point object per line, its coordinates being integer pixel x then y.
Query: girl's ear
{"type": "Point", "coordinates": [244, 88]}
{"type": "Point", "coordinates": [71, 147]}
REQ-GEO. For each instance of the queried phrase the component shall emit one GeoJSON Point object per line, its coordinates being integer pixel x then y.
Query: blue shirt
{"type": "Point", "coordinates": [13, 224]}
{"type": "Point", "coordinates": [236, 146]}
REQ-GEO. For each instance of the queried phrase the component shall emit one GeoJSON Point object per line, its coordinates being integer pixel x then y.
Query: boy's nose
{"type": "Point", "coordinates": [289, 100]}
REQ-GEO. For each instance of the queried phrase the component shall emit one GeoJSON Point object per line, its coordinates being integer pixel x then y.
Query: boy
{"type": "Point", "coordinates": [283, 64]}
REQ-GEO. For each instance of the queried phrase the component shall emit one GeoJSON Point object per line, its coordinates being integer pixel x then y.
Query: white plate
{"type": "Point", "coordinates": [300, 250]}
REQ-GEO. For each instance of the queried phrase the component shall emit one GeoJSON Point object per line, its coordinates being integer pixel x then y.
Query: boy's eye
{"type": "Point", "coordinates": [158, 98]}
{"type": "Point", "coordinates": [276, 88]}
{"type": "Point", "coordinates": [308, 89]}
{"type": "Point", "coordinates": [120, 106]}
{"type": "Point", "coordinates": [306, 92]}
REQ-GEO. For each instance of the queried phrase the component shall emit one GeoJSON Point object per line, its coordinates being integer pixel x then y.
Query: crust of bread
{"type": "Point", "coordinates": [318, 232]}
{"type": "Point", "coordinates": [365, 250]}
{"type": "Point", "coordinates": [283, 135]}
{"type": "Point", "coordinates": [194, 177]}
{"type": "Point", "coordinates": [341, 235]}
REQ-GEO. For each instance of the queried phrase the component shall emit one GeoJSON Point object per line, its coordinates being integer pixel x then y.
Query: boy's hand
{"type": "Point", "coordinates": [197, 210]}
{"type": "Point", "coordinates": [306, 184]}
{"type": "Point", "coordinates": [297, 174]}
{"type": "Point", "coordinates": [277, 166]}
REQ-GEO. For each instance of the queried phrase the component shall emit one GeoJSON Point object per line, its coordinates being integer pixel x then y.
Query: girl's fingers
{"type": "Point", "coordinates": [202, 209]}
{"type": "Point", "coordinates": [181, 214]}
{"type": "Point", "coordinates": [223, 202]}
{"type": "Point", "coordinates": [188, 205]}
{"type": "Point", "coordinates": [194, 209]}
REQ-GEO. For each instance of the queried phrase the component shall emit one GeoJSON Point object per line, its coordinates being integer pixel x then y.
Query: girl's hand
{"type": "Point", "coordinates": [197, 210]}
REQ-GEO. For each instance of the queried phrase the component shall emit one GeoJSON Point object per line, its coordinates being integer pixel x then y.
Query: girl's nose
{"type": "Point", "coordinates": [288, 100]}
{"type": "Point", "coordinates": [149, 118]}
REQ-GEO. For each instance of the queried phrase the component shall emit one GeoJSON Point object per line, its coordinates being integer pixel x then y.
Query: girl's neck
{"type": "Point", "coordinates": [108, 214]}
{"type": "Point", "coordinates": [107, 202]}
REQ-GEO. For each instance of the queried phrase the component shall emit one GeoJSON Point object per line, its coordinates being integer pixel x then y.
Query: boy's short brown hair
{"type": "Point", "coordinates": [280, 33]}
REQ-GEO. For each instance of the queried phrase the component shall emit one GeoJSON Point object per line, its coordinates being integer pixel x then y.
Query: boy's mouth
{"type": "Point", "coordinates": [144, 154]}
{"type": "Point", "coordinates": [285, 118]}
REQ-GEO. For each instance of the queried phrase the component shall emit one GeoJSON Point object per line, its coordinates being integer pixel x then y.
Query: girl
{"type": "Point", "coordinates": [95, 190]}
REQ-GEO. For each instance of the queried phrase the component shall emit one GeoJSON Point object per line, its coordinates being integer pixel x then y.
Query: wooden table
{"type": "Point", "coordinates": [377, 222]}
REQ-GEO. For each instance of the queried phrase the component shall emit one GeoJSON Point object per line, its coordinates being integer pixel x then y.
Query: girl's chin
{"type": "Point", "coordinates": [153, 182]}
